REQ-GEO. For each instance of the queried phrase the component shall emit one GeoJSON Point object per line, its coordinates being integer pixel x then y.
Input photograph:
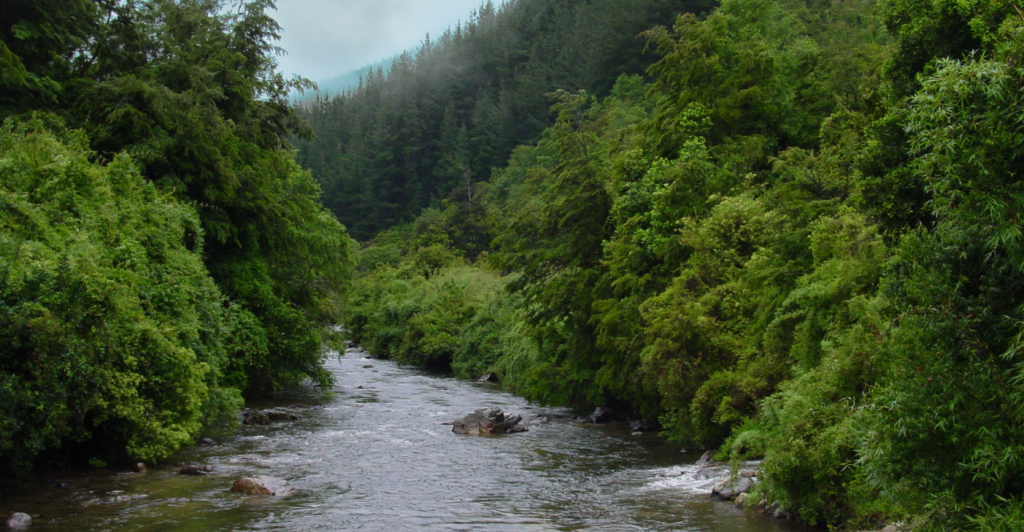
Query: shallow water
{"type": "Point", "coordinates": [374, 455]}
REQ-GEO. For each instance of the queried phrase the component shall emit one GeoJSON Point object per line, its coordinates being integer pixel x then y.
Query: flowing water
{"type": "Point", "coordinates": [374, 455]}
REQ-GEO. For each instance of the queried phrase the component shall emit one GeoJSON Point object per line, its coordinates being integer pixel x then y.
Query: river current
{"type": "Point", "coordinates": [375, 455]}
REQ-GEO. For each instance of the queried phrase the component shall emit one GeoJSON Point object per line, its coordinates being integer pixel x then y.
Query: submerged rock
{"type": "Point", "coordinates": [255, 418]}
{"type": "Point", "coordinates": [18, 521]}
{"type": "Point", "coordinates": [488, 421]}
{"type": "Point", "coordinates": [277, 415]}
{"type": "Point", "coordinates": [262, 485]}
{"type": "Point", "coordinates": [641, 425]}
{"type": "Point", "coordinates": [709, 472]}
{"type": "Point", "coordinates": [540, 420]}
{"type": "Point", "coordinates": [196, 470]}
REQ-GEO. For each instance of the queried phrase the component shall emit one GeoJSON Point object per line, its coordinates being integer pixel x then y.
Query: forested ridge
{"type": "Point", "coordinates": [161, 252]}
{"type": "Point", "coordinates": [793, 234]}
{"type": "Point", "coordinates": [444, 116]}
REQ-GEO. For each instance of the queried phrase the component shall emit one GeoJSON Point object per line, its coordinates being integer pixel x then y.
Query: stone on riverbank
{"type": "Point", "coordinates": [262, 485]}
{"type": "Point", "coordinates": [704, 458]}
{"type": "Point", "coordinates": [774, 510]}
{"type": "Point", "coordinates": [601, 415]}
{"type": "Point", "coordinates": [488, 421]}
{"type": "Point", "coordinates": [266, 417]}
{"type": "Point", "coordinates": [729, 488]}
{"type": "Point", "coordinates": [19, 521]}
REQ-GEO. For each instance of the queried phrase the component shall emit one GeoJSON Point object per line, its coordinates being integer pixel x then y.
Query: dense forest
{"type": "Point", "coordinates": [161, 252]}
{"type": "Point", "coordinates": [443, 117]}
{"type": "Point", "coordinates": [782, 229]}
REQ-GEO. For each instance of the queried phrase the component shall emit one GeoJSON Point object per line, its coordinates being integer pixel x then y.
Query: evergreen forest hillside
{"type": "Point", "coordinates": [786, 229]}
{"type": "Point", "coordinates": [443, 117]}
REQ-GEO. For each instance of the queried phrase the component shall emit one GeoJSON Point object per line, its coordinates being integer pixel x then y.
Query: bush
{"type": "Point", "coordinates": [110, 326]}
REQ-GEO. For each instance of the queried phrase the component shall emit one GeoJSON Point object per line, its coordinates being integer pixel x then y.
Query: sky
{"type": "Point", "coordinates": [325, 38]}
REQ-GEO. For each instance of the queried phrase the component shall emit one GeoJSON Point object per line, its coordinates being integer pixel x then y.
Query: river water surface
{"type": "Point", "coordinates": [374, 455]}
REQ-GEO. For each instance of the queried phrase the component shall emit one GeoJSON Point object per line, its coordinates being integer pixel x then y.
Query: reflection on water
{"type": "Point", "coordinates": [375, 456]}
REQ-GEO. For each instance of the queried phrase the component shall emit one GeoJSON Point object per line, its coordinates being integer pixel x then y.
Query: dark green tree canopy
{"type": "Point", "coordinates": [187, 90]}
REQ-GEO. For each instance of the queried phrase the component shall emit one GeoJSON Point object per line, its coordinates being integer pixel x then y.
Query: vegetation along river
{"type": "Point", "coordinates": [375, 455]}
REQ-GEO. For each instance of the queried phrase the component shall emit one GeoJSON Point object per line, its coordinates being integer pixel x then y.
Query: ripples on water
{"type": "Point", "coordinates": [375, 456]}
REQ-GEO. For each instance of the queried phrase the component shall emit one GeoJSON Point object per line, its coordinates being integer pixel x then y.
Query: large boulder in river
{"type": "Point", "coordinates": [488, 421]}
{"type": "Point", "coordinates": [729, 488]}
{"type": "Point", "coordinates": [262, 485]}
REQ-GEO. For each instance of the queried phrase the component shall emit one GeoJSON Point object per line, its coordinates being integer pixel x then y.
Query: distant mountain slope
{"type": "Point", "coordinates": [444, 116]}
{"type": "Point", "coordinates": [343, 82]}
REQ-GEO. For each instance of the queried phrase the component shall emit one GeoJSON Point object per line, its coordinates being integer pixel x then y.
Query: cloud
{"type": "Point", "coordinates": [325, 38]}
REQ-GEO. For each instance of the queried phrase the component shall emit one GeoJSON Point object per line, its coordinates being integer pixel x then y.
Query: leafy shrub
{"type": "Point", "coordinates": [110, 326]}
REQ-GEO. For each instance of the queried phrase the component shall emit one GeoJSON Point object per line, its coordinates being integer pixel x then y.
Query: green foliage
{"type": "Point", "coordinates": [951, 383]}
{"type": "Point", "coordinates": [764, 68]}
{"type": "Point", "coordinates": [441, 119]}
{"type": "Point", "coordinates": [38, 45]}
{"type": "Point", "coordinates": [800, 241]}
{"type": "Point", "coordinates": [187, 91]}
{"type": "Point", "coordinates": [418, 312]}
{"type": "Point", "coordinates": [112, 327]}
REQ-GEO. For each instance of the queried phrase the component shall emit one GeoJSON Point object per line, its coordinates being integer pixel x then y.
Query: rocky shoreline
{"type": "Point", "coordinates": [735, 484]}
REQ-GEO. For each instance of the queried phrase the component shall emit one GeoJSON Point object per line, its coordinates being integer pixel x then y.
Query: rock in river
{"type": "Point", "coordinates": [262, 485]}
{"type": "Point", "coordinates": [265, 417]}
{"type": "Point", "coordinates": [729, 488]}
{"type": "Point", "coordinates": [488, 421]}
{"type": "Point", "coordinates": [19, 521]}
{"type": "Point", "coordinates": [196, 470]}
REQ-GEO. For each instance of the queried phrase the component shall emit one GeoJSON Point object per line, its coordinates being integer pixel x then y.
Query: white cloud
{"type": "Point", "coordinates": [325, 38]}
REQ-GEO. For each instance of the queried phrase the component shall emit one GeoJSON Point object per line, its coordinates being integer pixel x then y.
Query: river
{"type": "Point", "coordinates": [374, 455]}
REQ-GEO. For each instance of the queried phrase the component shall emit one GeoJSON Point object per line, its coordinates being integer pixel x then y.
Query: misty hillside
{"type": "Point", "coordinates": [444, 116]}
{"type": "Point", "coordinates": [342, 83]}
